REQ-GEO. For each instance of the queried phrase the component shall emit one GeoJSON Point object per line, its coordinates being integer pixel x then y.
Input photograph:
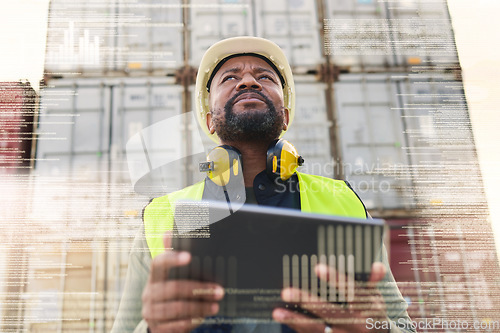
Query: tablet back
{"type": "Point", "coordinates": [257, 251]}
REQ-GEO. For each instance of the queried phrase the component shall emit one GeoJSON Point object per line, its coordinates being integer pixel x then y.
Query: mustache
{"type": "Point", "coordinates": [230, 102]}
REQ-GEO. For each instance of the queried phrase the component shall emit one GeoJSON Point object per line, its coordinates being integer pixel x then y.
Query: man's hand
{"type": "Point", "coordinates": [367, 302]}
{"type": "Point", "coordinates": [176, 305]}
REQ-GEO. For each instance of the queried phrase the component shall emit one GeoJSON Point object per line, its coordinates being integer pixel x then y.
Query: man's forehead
{"type": "Point", "coordinates": [242, 62]}
{"type": "Point", "coordinates": [251, 58]}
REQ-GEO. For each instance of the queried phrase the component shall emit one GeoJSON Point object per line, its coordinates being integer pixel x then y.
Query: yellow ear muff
{"type": "Point", "coordinates": [236, 165]}
{"type": "Point", "coordinates": [282, 160]}
{"type": "Point", "coordinates": [223, 162]}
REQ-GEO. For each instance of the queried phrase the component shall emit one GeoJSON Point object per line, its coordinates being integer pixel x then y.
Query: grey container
{"type": "Point", "coordinates": [293, 25]}
{"type": "Point", "coordinates": [368, 34]}
{"type": "Point", "coordinates": [96, 38]}
{"type": "Point", "coordinates": [381, 135]}
{"type": "Point", "coordinates": [446, 171]}
{"type": "Point", "coordinates": [371, 135]}
{"type": "Point", "coordinates": [396, 129]}
{"type": "Point", "coordinates": [85, 124]}
{"type": "Point", "coordinates": [211, 21]}
{"type": "Point", "coordinates": [422, 34]}
{"type": "Point", "coordinates": [309, 132]}
{"type": "Point", "coordinates": [147, 37]}
{"type": "Point", "coordinates": [357, 35]}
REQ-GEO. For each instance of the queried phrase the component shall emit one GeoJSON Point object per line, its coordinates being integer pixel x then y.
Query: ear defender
{"type": "Point", "coordinates": [282, 160]}
{"type": "Point", "coordinates": [223, 163]}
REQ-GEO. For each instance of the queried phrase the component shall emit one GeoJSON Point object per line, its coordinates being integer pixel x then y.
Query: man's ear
{"type": "Point", "coordinates": [210, 125]}
{"type": "Point", "coordinates": [287, 119]}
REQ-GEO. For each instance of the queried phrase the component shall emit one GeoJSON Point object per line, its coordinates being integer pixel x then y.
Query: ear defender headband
{"type": "Point", "coordinates": [224, 162]}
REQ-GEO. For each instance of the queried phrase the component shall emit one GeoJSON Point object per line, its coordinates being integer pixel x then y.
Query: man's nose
{"type": "Point", "coordinates": [248, 81]}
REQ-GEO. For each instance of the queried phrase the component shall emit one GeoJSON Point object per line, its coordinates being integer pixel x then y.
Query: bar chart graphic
{"type": "Point", "coordinates": [76, 47]}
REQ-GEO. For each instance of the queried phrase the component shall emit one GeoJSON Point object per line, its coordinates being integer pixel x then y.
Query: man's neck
{"type": "Point", "coordinates": [253, 156]}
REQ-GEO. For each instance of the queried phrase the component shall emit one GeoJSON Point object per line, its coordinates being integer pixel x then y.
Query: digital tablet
{"type": "Point", "coordinates": [256, 251]}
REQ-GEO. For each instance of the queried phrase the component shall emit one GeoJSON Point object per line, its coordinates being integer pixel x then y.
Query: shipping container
{"type": "Point", "coordinates": [3, 279]}
{"type": "Point", "coordinates": [357, 34]}
{"type": "Point", "coordinates": [310, 130]}
{"type": "Point", "coordinates": [442, 272]}
{"type": "Point", "coordinates": [15, 205]}
{"type": "Point", "coordinates": [74, 132]}
{"type": "Point", "coordinates": [211, 21]}
{"type": "Point", "coordinates": [73, 286]}
{"type": "Point", "coordinates": [399, 117]}
{"type": "Point", "coordinates": [146, 37]}
{"type": "Point", "coordinates": [414, 265]}
{"type": "Point", "coordinates": [79, 37]}
{"type": "Point", "coordinates": [13, 314]}
{"type": "Point", "coordinates": [85, 125]}
{"type": "Point", "coordinates": [401, 131]}
{"type": "Point", "coordinates": [65, 245]}
{"type": "Point", "coordinates": [372, 138]}
{"type": "Point", "coordinates": [440, 143]}
{"type": "Point", "coordinates": [380, 161]}
{"type": "Point", "coordinates": [293, 25]}
{"type": "Point", "coordinates": [422, 34]}
{"type": "Point", "coordinates": [149, 38]}
{"type": "Point", "coordinates": [18, 113]}
{"type": "Point", "coordinates": [77, 207]}
{"type": "Point", "coordinates": [103, 38]}
{"type": "Point", "coordinates": [369, 35]}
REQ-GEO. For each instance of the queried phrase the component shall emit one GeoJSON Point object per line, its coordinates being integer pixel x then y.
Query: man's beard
{"type": "Point", "coordinates": [254, 126]}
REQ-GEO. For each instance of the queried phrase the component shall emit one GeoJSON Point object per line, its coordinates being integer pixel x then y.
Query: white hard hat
{"type": "Point", "coordinates": [221, 51]}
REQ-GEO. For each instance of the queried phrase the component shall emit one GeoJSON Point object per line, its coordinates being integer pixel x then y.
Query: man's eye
{"type": "Point", "coordinates": [267, 77]}
{"type": "Point", "coordinates": [229, 77]}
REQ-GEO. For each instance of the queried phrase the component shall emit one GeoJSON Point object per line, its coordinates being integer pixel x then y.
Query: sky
{"type": "Point", "coordinates": [476, 27]}
{"type": "Point", "coordinates": [24, 25]}
{"type": "Point", "coordinates": [22, 36]}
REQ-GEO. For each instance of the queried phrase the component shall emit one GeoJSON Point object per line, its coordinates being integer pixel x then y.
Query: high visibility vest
{"type": "Point", "coordinates": [317, 195]}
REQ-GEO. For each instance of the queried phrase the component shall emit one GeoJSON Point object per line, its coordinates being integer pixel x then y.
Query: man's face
{"type": "Point", "coordinates": [246, 101]}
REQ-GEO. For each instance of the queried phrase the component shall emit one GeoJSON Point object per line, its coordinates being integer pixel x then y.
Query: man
{"type": "Point", "coordinates": [245, 99]}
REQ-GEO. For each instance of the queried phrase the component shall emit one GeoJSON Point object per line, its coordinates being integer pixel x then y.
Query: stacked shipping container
{"type": "Point", "coordinates": [18, 112]}
{"type": "Point", "coordinates": [379, 103]}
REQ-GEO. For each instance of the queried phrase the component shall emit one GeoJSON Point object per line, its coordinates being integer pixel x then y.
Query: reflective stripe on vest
{"type": "Point", "coordinates": [317, 195]}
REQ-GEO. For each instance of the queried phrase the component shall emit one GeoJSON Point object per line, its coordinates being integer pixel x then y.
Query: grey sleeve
{"type": "Point", "coordinates": [395, 304]}
{"type": "Point", "coordinates": [129, 316]}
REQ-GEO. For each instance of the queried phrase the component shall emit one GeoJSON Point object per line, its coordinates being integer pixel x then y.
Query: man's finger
{"type": "Point", "coordinates": [312, 303]}
{"type": "Point", "coordinates": [186, 289]}
{"type": "Point", "coordinates": [164, 261]}
{"type": "Point", "coordinates": [342, 283]}
{"type": "Point", "coordinates": [178, 326]}
{"type": "Point", "coordinates": [299, 322]}
{"type": "Point", "coordinates": [378, 272]}
{"type": "Point", "coordinates": [181, 310]}
{"type": "Point", "coordinates": [167, 240]}
{"type": "Point", "coordinates": [293, 295]}
{"type": "Point", "coordinates": [347, 287]}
